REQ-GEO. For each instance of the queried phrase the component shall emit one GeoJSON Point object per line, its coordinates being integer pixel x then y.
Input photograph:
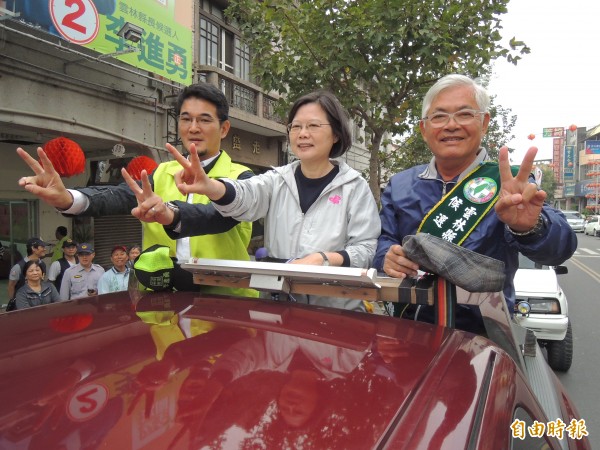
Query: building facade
{"type": "Point", "coordinates": [114, 95]}
{"type": "Point", "coordinates": [576, 167]}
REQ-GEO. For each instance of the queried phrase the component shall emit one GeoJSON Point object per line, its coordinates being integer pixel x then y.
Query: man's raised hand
{"type": "Point", "coordinates": [150, 206]}
{"type": "Point", "coordinates": [46, 183]}
{"type": "Point", "coordinates": [520, 201]}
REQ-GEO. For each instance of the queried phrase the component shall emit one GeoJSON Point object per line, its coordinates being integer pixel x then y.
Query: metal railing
{"type": "Point", "coordinates": [269, 105]}
{"type": "Point", "coordinates": [238, 96]}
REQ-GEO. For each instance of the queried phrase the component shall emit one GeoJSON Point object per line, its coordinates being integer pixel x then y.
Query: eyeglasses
{"type": "Point", "coordinates": [203, 121]}
{"type": "Point", "coordinates": [311, 127]}
{"type": "Point", "coordinates": [462, 117]}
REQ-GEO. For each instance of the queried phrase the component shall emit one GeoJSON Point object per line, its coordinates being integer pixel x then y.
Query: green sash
{"type": "Point", "coordinates": [457, 214]}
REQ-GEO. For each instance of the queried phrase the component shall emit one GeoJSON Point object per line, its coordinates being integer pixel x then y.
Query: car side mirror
{"type": "Point", "coordinates": [561, 270]}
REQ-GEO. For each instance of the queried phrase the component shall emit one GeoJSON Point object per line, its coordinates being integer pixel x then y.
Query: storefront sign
{"type": "Point", "coordinates": [554, 132]}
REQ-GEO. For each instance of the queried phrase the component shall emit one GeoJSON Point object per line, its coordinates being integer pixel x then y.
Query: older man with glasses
{"type": "Point", "coordinates": [464, 198]}
{"type": "Point", "coordinates": [203, 122]}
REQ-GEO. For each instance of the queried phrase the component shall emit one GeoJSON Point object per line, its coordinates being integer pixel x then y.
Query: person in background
{"type": "Point", "coordinates": [463, 197]}
{"type": "Point", "coordinates": [35, 291]}
{"type": "Point", "coordinates": [61, 237]}
{"type": "Point", "coordinates": [117, 277]}
{"type": "Point", "coordinates": [81, 280]}
{"type": "Point", "coordinates": [133, 252]}
{"type": "Point", "coordinates": [203, 121]}
{"type": "Point", "coordinates": [57, 268]}
{"type": "Point", "coordinates": [317, 210]}
{"type": "Point", "coordinates": [36, 250]}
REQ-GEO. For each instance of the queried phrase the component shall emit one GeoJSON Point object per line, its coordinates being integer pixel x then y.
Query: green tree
{"type": "Point", "coordinates": [378, 56]}
{"type": "Point", "coordinates": [548, 182]}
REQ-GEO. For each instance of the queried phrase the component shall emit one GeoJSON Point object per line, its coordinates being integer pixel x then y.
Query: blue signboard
{"type": "Point", "coordinates": [592, 147]}
{"type": "Point", "coordinates": [569, 190]}
{"type": "Point", "coordinates": [569, 162]}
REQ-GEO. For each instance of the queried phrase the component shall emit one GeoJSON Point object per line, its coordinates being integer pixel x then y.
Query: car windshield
{"type": "Point", "coordinates": [572, 215]}
{"type": "Point", "coordinates": [526, 263]}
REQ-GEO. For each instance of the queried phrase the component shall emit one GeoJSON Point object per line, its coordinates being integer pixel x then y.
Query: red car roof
{"type": "Point", "coordinates": [182, 370]}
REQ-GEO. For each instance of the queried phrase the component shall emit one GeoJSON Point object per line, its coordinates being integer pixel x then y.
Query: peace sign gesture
{"type": "Point", "coordinates": [193, 179]}
{"type": "Point", "coordinates": [46, 183]}
{"type": "Point", "coordinates": [520, 201]}
{"type": "Point", "coordinates": [150, 206]}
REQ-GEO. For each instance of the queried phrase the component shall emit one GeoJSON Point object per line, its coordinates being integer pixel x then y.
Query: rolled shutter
{"type": "Point", "coordinates": [114, 230]}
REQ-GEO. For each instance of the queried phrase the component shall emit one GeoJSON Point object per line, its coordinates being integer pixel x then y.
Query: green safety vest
{"type": "Point", "coordinates": [232, 244]}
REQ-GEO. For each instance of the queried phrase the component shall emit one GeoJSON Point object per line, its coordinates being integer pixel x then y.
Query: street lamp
{"type": "Point", "coordinates": [131, 32]}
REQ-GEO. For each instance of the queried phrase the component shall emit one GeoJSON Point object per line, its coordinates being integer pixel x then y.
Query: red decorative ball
{"type": "Point", "coordinates": [139, 163]}
{"type": "Point", "coordinates": [531, 137]}
{"type": "Point", "coordinates": [573, 127]}
{"type": "Point", "coordinates": [66, 156]}
{"type": "Point", "coordinates": [71, 323]}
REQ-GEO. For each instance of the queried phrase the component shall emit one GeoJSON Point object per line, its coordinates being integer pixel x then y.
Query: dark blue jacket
{"type": "Point", "coordinates": [412, 193]}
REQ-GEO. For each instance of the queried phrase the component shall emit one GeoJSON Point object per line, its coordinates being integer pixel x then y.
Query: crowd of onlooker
{"type": "Point", "coordinates": [72, 273]}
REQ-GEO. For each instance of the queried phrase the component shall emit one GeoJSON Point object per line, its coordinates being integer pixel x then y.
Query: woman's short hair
{"type": "Point", "coordinates": [336, 114]}
{"type": "Point", "coordinates": [32, 262]}
{"type": "Point", "coordinates": [134, 246]}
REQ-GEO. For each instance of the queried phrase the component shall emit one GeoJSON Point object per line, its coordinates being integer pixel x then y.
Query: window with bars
{"type": "Point", "coordinates": [209, 43]}
{"type": "Point", "coordinates": [242, 60]}
{"type": "Point", "coordinates": [220, 46]}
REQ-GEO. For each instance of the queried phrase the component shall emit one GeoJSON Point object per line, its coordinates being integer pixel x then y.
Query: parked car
{"type": "Point", "coordinates": [575, 219]}
{"type": "Point", "coordinates": [592, 226]}
{"type": "Point", "coordinates": [538, 285]}
{"type": "Point", "coordinates": [164, 370]}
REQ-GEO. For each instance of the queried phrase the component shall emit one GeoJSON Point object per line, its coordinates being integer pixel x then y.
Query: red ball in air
{"type": "Point", "coordinates": [66, 156]}
{"type": "Point", "coordinates": [139, 163]}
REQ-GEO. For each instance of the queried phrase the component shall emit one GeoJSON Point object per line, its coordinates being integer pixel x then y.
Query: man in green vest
{"type": "Point", "coordinates": [203, 121]}
{"type": "Point", "coordinates": [61, 237]}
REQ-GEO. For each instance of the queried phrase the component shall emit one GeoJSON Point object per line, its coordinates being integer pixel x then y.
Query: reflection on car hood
{"type": "Point", "coordinates": [529, 281]}
{"type": "Point", "coordinates": [189, 371]}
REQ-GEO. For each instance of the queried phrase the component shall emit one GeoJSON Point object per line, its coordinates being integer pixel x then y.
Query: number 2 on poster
{"type": "Point", "coordinates": [75, 20]}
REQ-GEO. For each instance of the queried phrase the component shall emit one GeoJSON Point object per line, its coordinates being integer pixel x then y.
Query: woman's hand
{"type": "Point", "coordinates": [193, 179]}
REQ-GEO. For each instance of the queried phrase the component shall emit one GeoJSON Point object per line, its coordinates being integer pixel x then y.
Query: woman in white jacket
{"type": "Point", "coordinates": [317, 210]}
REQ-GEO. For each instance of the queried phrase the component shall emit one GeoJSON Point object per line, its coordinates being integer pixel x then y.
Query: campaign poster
{"type": "Point", "coordinates": [165, 27]}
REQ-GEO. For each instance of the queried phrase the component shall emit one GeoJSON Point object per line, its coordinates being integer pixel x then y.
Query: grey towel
{"type": "Point", "coordinates": [466, 269]}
